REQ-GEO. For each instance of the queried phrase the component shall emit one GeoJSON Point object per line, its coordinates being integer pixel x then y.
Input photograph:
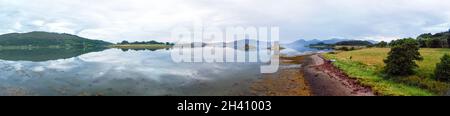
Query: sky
{"type": "Point", "coordinates": [139, 20]}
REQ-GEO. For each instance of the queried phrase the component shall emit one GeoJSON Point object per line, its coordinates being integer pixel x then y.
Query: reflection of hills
{"type": "Point", "coordinates": [43, 54]}
{"type": "Point", "coordinates": [142, 49]}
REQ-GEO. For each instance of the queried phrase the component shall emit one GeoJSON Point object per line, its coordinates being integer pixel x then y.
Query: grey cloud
{"type": "Point", "coordinates": [152, 19]}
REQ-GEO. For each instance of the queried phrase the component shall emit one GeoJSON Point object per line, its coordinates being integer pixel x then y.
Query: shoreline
{"type": "Point", "coordinates": [288, 81]}
{"type": "Point", "coordinates": [327, 80]}
{"type": "Point", "coordinates": [141, 46]}
{"type": "Point", "coordinates": [308, 75]}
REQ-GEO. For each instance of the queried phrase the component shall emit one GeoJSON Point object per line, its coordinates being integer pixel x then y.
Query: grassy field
{"type": "Point", "coordinates": [141, 46]}
{"type": "Point", "coordinates": [366, 66]}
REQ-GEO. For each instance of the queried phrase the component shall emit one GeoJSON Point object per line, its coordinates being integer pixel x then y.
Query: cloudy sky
{"type": "Point", "coordinates": [116, 20]}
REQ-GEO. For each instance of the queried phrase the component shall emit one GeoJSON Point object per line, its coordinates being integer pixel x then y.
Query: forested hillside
{"type": "Point", "coordinates": [46, 39]}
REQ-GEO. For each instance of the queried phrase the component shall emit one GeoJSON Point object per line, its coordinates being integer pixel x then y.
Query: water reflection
{"type": "Point", "coordinates": [301, 50]}
{"type": "Point", "coordinates": [122, 72]}
{"type": "Point", "coordinates": [44, 54]}
{"type": "Point", "coordinates": [118, 72]}
{"type": "Point", "coordinates": [143, 49]}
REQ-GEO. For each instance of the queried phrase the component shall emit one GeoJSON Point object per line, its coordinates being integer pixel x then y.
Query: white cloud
{"type": "Point", "coordinates": [152, 19]}
{"type": "Point", "coordinates": [437, 28]}
{"type": "Point", "coordinates": [60, 27]}
{"type": "Point", "coordinates": [38, 23]}
{"type": "Point", "coordinates": [38, 69]}
{"type": "Point", "coordinates": [17, 26]}
{"type": "Point", "coordinates": [381, 38]}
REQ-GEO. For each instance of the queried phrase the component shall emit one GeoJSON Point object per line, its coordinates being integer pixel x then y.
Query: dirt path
{"type": "Point", "coordinates": [326, 80]}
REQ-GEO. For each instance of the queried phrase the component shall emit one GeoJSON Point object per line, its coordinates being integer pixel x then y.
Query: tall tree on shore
{"type": "Point", "coordinates": [448, 41]}
{"type": "Point", "coordinates": [443, 69]}
{"type": "Point", "coordinates": [402, 57]}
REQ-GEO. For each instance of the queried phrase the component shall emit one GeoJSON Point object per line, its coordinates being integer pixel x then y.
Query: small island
{"type": "Point", "coordinates": [144, 45]}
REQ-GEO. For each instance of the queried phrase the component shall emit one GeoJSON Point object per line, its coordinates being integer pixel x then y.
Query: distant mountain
{"type": "Point", "coordinates": [235, 43]}
{"type": "Point", "coordinates": [305, 43]}
{"type": "Point", "coordinates": [334, 41]}
{"type": "Point", "coordinates": [46, 39]}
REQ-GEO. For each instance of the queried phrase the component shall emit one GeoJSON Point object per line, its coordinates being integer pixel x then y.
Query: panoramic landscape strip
{"type": "Point", "coordinates": [224, 48]}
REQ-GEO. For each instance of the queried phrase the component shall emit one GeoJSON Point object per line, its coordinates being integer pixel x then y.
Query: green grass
{"type": "Point", "coordinates": [366, 66]}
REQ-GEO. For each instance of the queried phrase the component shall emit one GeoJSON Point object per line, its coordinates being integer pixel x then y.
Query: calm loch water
{"type": "Point", "coordinates": [118, 72]}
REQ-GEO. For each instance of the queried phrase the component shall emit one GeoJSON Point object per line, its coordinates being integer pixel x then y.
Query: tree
{"type": "Point", "coordinates": [402, 57]}
{"type": "Point", "coordinates": [382, 44]}
{"type": "Point", "coordinates": [124, 42]}
{"type": "Point", "coordinates": [394, 43]}
{"type": "Point", "coordinates": [153, 42]}
{"type": "Point", "coordinates": [426, 35]}
{"type": "Point", "coordinates": [436, 43]}
{"type": "Point", "coordinates": [423, 42]}
{"type": "Point", "coordinates": [345, 48]}
{"type": "Point", "coordinates": [448, 42]}
{"type": "Point", "coordinates": [443, 69]}
{"type": "Point", "coordinates": [437, 40]}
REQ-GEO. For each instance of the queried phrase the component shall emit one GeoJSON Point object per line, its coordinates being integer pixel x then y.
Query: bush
{"type": "Point", "coordinates": [332, 53]}
{"type": "Point", "coordinates": [401, 59]}
{"type": "Point", "coordinates": [443, 69]}
{"type": "Point", "coordinates": [343, 48]}
{"type": "Point", "coordinates": [352, 48]}
{"type": "Point", "coordinates": [382, 44]}
{"type": "Point", "coordinates": [440, 88]}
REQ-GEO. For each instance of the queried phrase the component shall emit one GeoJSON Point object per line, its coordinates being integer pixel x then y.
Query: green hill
{"type": "Point", "coordinates": [46, 39]}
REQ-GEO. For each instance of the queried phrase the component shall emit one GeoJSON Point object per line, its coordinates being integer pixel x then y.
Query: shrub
{"type": "Point", "coordinates": [443, 69]}
{"type": "Point", "coordinates": [352, 48]}
{"type": "Point", "coordinates": [382, 44]}
{"type": "Point", "coordinates": [344, 48]}
{"type": "Point", "coordinates": [401, 59]}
